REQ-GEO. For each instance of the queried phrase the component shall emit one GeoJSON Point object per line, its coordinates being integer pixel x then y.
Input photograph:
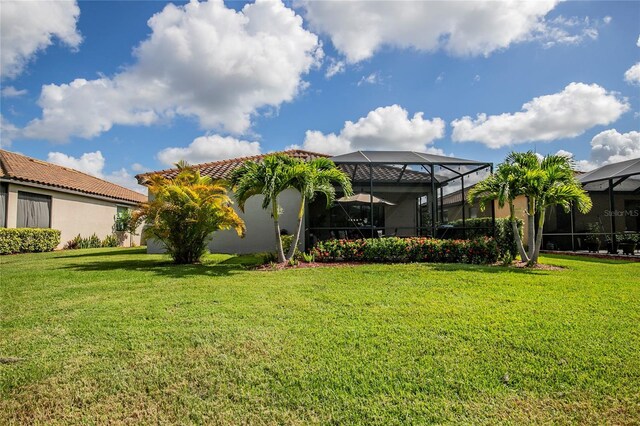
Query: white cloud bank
{"type": "Point", "coordinates": [201, 59]}
{"type": "Point", "coordinates": [209, 148]}
{"type": "Point", "coordinates": [27, 27]}
{"type": "Point", "coordinates": [93, 164]}
{"type": "Point", "coordinates": [609, 146]}
{"type": "Point", "coordinates": [569, 113]}
{"type": "Point", "coordinates": [632, 75]}
{"type": "Point", "coordinates": [459, 28]}
{"type": "Point", "coordinates": [385, 128]}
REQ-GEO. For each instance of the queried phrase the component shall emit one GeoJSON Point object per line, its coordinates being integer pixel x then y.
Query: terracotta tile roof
{"type": "Point", "coordinates": [223, 168]}
{"type": "Point", "coordinates": [26, 169]}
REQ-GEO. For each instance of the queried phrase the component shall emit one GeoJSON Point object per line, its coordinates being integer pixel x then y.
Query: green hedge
{"type": "Point", "coordinates": [28, 240]}
{"type": "Point", "coordinates": [481, 227]}
{"type": "Point", "coordinates": [478, 251]}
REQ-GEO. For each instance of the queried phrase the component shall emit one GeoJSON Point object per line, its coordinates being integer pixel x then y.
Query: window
{"type": "Point", "coordinates": [34, 210]}
{"type": "Point", "coordinates": [473, 212]}
{"type": "Point", "coordinates": [3, 205]}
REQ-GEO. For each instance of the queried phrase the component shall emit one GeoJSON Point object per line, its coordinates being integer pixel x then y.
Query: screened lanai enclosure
{"type": "Point", "coordinates": [397, 193]}
{"type": "Point", "coordinates": [614, 219]}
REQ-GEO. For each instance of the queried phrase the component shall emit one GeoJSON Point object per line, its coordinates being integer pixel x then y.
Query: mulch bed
{"type": "Point", "coordinates": [303, 265]}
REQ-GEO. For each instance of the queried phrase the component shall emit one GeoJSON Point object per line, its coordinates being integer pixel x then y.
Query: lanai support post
{"type": "Point", "coordinates": [371, 198]}
{"type": "Point", "coordinates": [464, 214]}
{"type": "Point", "coordinates": [612, 215]}
{"type": "Point", "coordinates": [433, 202]}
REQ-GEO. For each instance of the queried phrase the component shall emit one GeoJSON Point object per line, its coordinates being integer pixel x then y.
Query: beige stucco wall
{"type": "Point", "coordinates": [71, 214]}
{"type": "Point", "coordinates": [260, 235]}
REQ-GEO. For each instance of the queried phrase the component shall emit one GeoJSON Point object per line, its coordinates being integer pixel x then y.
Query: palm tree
{"type": "Point", "coordinates": [269, 178]}
{"type": "Point", "coordinates": [545, 182]}
{"type": "Point", "coordinates": [184, 211]}
{"type": "Point", "coordinates": [556, 184]}
{"type": "Point", "coordinates": [502, 187]}
{"type": "Point", "coordinates": [318, 176]}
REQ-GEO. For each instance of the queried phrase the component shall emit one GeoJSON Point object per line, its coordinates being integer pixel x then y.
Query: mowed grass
{"type": "Point", "coordinates": [119, 336]}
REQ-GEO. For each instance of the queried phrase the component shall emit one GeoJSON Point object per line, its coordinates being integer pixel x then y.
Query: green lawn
{"type": "Point", "coordinates": [115, 335]}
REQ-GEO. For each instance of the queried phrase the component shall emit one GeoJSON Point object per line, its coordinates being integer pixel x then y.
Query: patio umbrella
{"type": "Point", "coordinates": [364, 198]}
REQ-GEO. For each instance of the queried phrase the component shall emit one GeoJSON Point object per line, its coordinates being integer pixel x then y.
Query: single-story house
{"type": "Point", "coordinates": [37, 194]}
{"type": "Point", "coordinates": [396, 193]}
{"type": "Point", "coordinates": [615, 192]}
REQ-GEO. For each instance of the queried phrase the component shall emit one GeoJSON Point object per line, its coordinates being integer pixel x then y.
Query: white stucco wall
{"type": "Point", "coordinates": [71, 214]}
{"type": "Point", "coordinates": [260, 235]}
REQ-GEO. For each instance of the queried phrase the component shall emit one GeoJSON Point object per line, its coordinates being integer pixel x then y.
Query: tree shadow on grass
{"type": "Point", "coordinates": [165, 267]}
{"type": "Point", "coordinates": [488, 269]}
{"type": "Point", "coordinates": [74, 254]}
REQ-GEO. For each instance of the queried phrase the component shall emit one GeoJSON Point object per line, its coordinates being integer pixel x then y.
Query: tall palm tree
{"type": "Point", "coordinates": [318, 176]}
{"type": "Point", "coordinates": [184, 211]}
{"type": "Point", "coordinates": [269, 178]}
{"type": "Point", "coordinates": [545, 182]}
{"type": "Point", "coordinates": [556, 184]}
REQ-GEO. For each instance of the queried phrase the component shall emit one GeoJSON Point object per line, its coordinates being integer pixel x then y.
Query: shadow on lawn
{"type": "Point", "coordinates": [164, 267]}
{"type": "Point", "coordinates": [74, 254]}
{"type": "Point", "coordinates": [493, 269]}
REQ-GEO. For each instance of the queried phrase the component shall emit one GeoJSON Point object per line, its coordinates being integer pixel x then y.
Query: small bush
{"type": "Point", "coordinates": [110, 241]}
{"type": "Point", "coordinates": [28, 240]}
{"type": "Point", "coordinates": [78, 242]}
{"type": "Point", "coordinates": [477, 251]}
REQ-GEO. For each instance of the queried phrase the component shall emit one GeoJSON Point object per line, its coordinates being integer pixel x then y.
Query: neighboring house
{"type": "Point", "coordinates": [37, 194]}
{"type": "Point", "coordinates": [615, 192]}
{"type": "Point", "coordinates": [403, 203]}
{"type": "Point", "coordinates": [452, 206]}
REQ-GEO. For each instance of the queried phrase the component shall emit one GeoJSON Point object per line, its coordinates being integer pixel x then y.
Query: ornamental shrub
{"type": "Point", "coordinates": [481, 227]}
{"type": "Point", "coordinates": [481, 250]}
{"type": "Point", "coordinates": [28, 240]}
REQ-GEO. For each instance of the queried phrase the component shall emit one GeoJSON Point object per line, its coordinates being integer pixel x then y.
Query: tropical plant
{"type": "Point", "coordinates": [310, 178]}
{"type": "Point", "coordinates": [546, 182]}
{"type": "Point", "coordinates": [124, 222]}
{"type": "Point", "coordinates": [184, 212]}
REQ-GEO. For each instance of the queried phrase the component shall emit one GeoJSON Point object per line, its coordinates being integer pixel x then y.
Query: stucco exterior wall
{"type": "Point", "coordinates": [71, 214]}
{"type": "Point", "coordinates": [260, 235]}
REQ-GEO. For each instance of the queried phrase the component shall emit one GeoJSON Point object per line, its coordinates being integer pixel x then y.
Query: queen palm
{"type": "Point", "coordinates": [269, 178]}
{"type": "Point", "coordinates": [318, 176]}
{"type": "Point", "coordinates": [184, 211]}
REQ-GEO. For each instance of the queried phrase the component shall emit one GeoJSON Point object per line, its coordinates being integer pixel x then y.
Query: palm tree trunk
{"type": "Point", "coordinates": [296, 237]}
{"type": "Point", "coordinates": [516, 233]}
{"type": "Point", "coordinates": [276, 225]}
{"type": "Point", "coordinates": [531, 226]}
{"type": "Point", "coordinates": [536, 254]}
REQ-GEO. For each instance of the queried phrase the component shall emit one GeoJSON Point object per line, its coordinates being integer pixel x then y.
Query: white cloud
{"type": "Point", "coordinates": [459, 28]}
{"type": "Point", "coordinates": [90, 162]}
{"type": "Point", "coordinates": [93, 164]}
{"type": "Point", "coordinates": [609, 147]}
{"type": "Point", "coordinates": [561, 30]}
{"type": "Point", "coordinates": [201, 59]}
{"type": "Point", "coordinates": [334, 67]}
{"type": "Point", "coordinates": [383, 128]}
{"type": "Point", "coordinates": [139, 168]}
{"type": "Point", "coordinates": [27, 27]}
{"type": "Point", "coordinates": [607, 19]}
{"type": "Point", "coordinates": [566, 114]}
{"type": "Point", "coordinates": [440, 78]}
{"type": "Point", "coordinates": [209, 148]}
{"type": "Point", "coordinates": [632, 75]}
{"type": "Point", "coordinates": [8, 132]}
{"type": "Point", "coordinates": [12, 92]}
{"type": "Point", "coordinates": [373, 78]}
{"type": "Point", "coordinates": [638, 42]}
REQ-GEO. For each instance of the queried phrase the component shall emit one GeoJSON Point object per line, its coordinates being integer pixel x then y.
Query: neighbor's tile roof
{"type": "Point", "coordinates": [223, 168]}
{"type": "Point", "coordinates": [26, 169]}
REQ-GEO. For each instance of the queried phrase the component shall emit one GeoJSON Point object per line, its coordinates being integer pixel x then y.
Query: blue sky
{"type": "Point", "coordinates": [104, 89]}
